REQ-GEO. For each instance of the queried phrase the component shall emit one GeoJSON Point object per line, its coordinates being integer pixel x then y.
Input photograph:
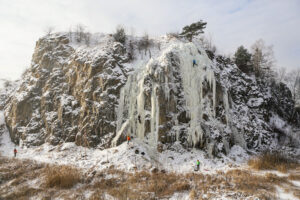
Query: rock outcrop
{"type": "Point", "coordinates": [68, 94]}
{"type": "Point", "coordinates": [72, 93]}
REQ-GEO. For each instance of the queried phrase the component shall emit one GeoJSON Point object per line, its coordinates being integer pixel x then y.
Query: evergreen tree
{"type": "Point", "coordinates": [242, 59]}
{"type": "Point", "coordinates": [194, 29]}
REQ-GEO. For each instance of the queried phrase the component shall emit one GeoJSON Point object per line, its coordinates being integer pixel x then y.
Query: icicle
{"type": "Point", "coordinates": [176, 129]}
{"type": "Point", "coordinates": [119, 133]}
{"type": "Point", "coordinates": [210, 78]}
{"type": "Point", "coordinates": [141, 111]}
{"type": "Point", "coordinates": [226, 105]}
{"type": "Point", "coordinates": [201, 96]}
{"type": "Point", "coordinates": [214, 96]}
{"type": "Point", "coordinates": [167, 89]}
{"type": "Point", "coordinates": [120, 110]}
{"type": "Point", "coordinates": [154, 115]}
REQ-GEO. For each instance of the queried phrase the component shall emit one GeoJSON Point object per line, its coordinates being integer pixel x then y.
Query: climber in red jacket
{"type": "Point", "coordinates": [15, 152]}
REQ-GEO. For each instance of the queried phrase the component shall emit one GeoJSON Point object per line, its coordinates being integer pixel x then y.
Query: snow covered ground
{"type": "Point", "coordinates": [136, 155]}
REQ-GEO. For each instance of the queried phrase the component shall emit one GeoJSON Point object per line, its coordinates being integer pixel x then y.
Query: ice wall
{"type": "Point", "coordinates": [160, 70]}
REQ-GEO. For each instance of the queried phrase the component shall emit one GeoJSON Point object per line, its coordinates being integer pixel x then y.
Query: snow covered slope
{"type": "Point", "coordinates": [96, 93]}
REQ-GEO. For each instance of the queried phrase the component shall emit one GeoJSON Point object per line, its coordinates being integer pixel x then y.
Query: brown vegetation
{"type": "Point", "coordinates": [62, 176]}
{"type": "Point", "coordinates": [272, 161]}
{"type": "Point", "coordinates": [57, 181]}
{"type": "Point", "coordinates": [294, 177]}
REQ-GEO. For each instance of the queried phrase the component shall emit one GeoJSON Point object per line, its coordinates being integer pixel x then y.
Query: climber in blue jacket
{"type": "Point", "coordinates": [194, 62]}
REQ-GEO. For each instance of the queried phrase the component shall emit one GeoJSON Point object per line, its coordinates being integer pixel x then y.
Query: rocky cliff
{"type": "Point", "coordinates": [96, 94]}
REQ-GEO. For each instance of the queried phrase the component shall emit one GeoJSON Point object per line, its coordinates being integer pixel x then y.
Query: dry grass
{"type": "Point", "coordinates": [14, 174]}
{"type": "Point", "coordinates": [62, 176]}
{"type": "Point", "coordinates": [22, 193]}
{"type": "Point", "coordinates": [233, 184]}
{"type": "Point", "coordinates": [141, 185]}
{"type": "Point", "coordinates": [294, 177]}
{"type": "Point", "coordinates": [192, 194]}
{"type": "Point", "coordinates": [272, 161]}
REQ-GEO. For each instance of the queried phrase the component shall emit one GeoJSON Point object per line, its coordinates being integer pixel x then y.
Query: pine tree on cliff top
{"type": "Point", "coordinates": [194, 29]}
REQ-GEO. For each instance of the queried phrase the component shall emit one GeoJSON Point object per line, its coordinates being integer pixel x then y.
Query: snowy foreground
{"type": "Point", "coordinates": [138, 156]}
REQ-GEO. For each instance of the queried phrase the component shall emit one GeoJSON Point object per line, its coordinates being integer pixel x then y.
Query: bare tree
{"type": "Point", "coordinates": [144, 43]}
{"type": "Point", "coordinates": [281, 72]}
{"type": "Point", "coordinates": [79, 32]}
{"type": "Point", "coordinates": [263, 59]}
{"type": "Point", "coordinates": [48, 30]}
{"type": "Point", "coordinates": [70, 33]}
{"type": "Point", "coordinates": [208, 45]}
{"type": "Point", "coordinates": [87, 38]}
{"type": "Point", "coordinates": [296, 84]}
{"type": "Point", "coordinates": [131, 50]}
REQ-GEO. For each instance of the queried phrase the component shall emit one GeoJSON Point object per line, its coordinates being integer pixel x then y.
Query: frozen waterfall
{"type": "Point", "coordinates": [132, 107]}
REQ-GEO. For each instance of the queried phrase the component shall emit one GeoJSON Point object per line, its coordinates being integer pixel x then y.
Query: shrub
{"type": "Point", "coordinates": [120, 35]}
{"type": "Point", "coordinates": [62, 176]}
{"type": "Point", "coordinates": [144, 42]}
{"type": "Point", "coordinates": [272, 161]}
{"type": "Point", "coordinates": [173, 35]}
{"type": "Point", "coordinates": [294, 177]}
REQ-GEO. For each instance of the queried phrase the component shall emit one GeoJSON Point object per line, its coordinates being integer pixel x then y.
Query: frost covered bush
{"type": "Point", "coordinates": [120, 35]}
{"type": "Point", "coordinates": [144, 42]}
{"type": "Point", "coordinates": [173, 35]}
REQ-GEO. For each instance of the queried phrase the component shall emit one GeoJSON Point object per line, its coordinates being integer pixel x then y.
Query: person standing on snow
{"type": "Point", "coordinates": [15, 152]}
{"type": "Point", "coordinates": [128, 139]}
{"type": "Point", "coordinates": [198, 165]}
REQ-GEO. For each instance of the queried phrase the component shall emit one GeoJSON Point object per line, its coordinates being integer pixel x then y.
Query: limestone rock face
{"type": "Point", "coordinates": [68, 95]}
{"type": "Point", "coordinates": [95, 96]}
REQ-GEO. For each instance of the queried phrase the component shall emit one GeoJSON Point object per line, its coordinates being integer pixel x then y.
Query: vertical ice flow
{"type": "Point", "coordinates": [132, 97]}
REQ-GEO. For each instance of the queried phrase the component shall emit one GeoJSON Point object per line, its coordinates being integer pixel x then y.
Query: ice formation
{"type": "Point", "coordinates": [132, 97]}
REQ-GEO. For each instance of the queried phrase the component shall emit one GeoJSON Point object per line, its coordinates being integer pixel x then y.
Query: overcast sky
{"type": "Point", "coordinates": [231, 23]}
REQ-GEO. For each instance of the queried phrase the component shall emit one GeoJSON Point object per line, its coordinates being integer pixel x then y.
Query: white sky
{"type": "Point", "coordinates": [231, 23]}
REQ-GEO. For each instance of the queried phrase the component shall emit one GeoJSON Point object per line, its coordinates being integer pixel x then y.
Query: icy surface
{"type": "Point", "coordinates": [123, 157]}
{"type": "Point", "coordinates": [282, 195]}
{"type": "Point", "coordinates": [6, 145]}
{"type": "Point", "coordinates": [193, 78]}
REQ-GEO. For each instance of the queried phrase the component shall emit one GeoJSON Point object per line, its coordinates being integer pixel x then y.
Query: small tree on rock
{"type": "Point", "coordinates": [193, 30]}
{"type": "Point", "coordinates": [79, 32]}
{"type": "Point", "coordinates": [263, 59]}
{"type": "Point", "coordinates": [120, 35]}
{"type": "Point", "coordinates": [144, 43]}
{"type": "Point", "coordinates": [242, 59]}
{"type": "Point", "coordinates": [48, 30]}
